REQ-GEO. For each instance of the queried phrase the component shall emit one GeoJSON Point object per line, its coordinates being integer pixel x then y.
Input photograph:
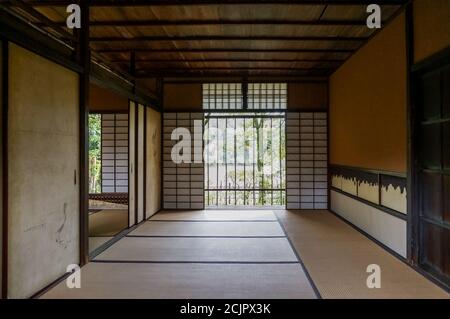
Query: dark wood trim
{"type": "Point", "coordinates": [167, 3]}
{"type": "Point", "coordinates": [250, 80]}
{"type": "Point", "coordinates": [129, 165]}
{"type": "Point", "coordinates": [83, 56]}
{"type": "Point", "coordinates": [237, 74]}
{"type": "Point", "coordinates": [47, 288]}
{"type": "Point", "coordinates": [328, 145]}
{"type": "Point", "coordinates": [160, 88]}
{"type": "Point", "coordinates": [440, 58]}
{"type": "Point", "coordinates": [128, 160]}
{"type": "Point", "coordinates": [136, 163]}
{"type": "Point", "coordinates": [63, 33]}
{"type": "Point", "coordinates": [5, 193]}
{"type": "Point", "coordinates": [109, 80]}
{"type": "Point", "coordinates": [370, 171]}
{"type": "Point", "coordinates": [17, 31]}
{"type": "Point", "coordinates": [207, 60]}
{"type": "Point", "coordinates": [143, 72]}
{"type": "Point", "coordinates": [229, 50]}
{"type": "Point", "coordinates": [227, 38]}
{"type": "Point", "coordinates": [412, 221]}
{"type": "Point", "coordinates": [206, 22]}
{"type": "Point", "coordinates": [416, 71]}
{"type": "Point", "coordinates": [144, 191]}
{"type": "Point", "coordinates": [108, 112]}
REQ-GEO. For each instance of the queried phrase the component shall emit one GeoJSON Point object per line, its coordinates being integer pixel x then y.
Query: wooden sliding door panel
{"type": "Point", "coordinates": [446, 196]}
{"type": "Point", "coordinates": [446, 92]}
{"type": "Point", "coordinates": [153, 163]}
{"type": "Point", "coordinates": [114, 153]}
{"type": "Point", "coordinates": [140, 163]}
{"type": "Point", "coordinates": [183, 184]}
{"type": "Point", "coordinates": [433, 169]}
{"type": "Point", "coordinates": [306, 160]}
{"type": "Point", "coordinates": [432, 196]}
{"type": "Point", "coordinates": [43, 181]}
{"type": "Point", "coordinates": [431, 146]}
{"type": "Point", "coordinates": [446, 145]}
{"type": "Point", "coordinates": [430, 96]}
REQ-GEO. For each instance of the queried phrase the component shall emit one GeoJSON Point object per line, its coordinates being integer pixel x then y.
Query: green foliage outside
{"type": "Point", "coordinates": [95, 163]}
{"type": "Point", "coordinates": [250, 158]}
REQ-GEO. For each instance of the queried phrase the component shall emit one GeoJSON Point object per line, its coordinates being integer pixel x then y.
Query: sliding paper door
{"type": "Point", "coordinates": [140, 172]}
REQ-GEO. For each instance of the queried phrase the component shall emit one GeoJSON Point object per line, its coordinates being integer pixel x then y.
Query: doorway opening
{"type": "Point", "coordinates": [244, 160]}
{"type": "Point", "coordinates": [108, 177]}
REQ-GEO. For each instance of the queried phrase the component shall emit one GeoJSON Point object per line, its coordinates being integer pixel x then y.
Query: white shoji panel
{"type": "Point", "coordinates": [306, 160]}
{"type": "Point", "coordinates": [183, 183]}
{"type": "Point", "coordinates": [114, 153]}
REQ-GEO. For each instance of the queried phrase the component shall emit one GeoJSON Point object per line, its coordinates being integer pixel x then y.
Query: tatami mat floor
{"type": "Point", "coordinates": [336, 256]}
{"type": "Point", "coordinates": [245, 254]}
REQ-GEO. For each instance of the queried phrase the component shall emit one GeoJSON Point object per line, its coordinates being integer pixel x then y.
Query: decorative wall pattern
{"type": "Point", "coordinates": [306, 160]}
{"type": "Point", "coordinates": [182, 183]}
{"type": "Point", "coordinates": [388, 191]}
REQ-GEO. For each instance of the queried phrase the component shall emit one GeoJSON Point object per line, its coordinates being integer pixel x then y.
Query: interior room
{"type": "Point", "coordinates": [108, 166]}
{"type": "Point", "coordinates": [225, 150]}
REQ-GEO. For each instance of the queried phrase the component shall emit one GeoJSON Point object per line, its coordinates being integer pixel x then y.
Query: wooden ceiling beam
{"type": "Point", "coordinates": [220, 50]}
{"type": "Point", "coordinates": [150, 3]}
{"type": "Point", "coordinates": [185, 74]}
{"type": "Point", "coordinates": [231, 60]}
{"type": "Point", "coordinates": [143, 71]}
{"type": "Point", "coordinates": [167, 23]}
{"type": "Point", "coordinates": [226, 38]}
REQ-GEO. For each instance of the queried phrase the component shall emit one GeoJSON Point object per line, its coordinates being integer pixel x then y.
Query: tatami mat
{"type": "Point", "coordinates": [216, 215]}
{"type": "Point", "coordinates": [107, 222]}
{"type": "Point", "coordinates": [200, 249]}
{"type": "Point", "coordinates": [336, 256]}
{"type": "Point", "coordinates": [218, 229]}
{"type": "Point", "coordinates": [188, 281]}
{"type": "Point", "coordinates": [96, 242]}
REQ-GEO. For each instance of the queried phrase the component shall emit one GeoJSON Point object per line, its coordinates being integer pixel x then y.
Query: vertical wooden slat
{"type": "Point", "coordinates": [4, 94]}
{"type": "Point", "coordinates": [83, 56]}
{"type": "Point", "coordinates": [413, 220]}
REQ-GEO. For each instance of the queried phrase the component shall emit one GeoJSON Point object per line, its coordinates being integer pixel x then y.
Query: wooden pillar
{"type": "Point", "coordinates": [84, 59]}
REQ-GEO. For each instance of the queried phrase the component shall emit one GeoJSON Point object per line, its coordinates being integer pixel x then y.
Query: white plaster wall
{"type": "Point", "coordinates": [43, 142]}
{"type": "Point", "coordinates": [388, 229]}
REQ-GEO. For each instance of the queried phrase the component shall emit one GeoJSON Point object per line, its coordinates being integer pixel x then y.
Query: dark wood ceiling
{"type": "Point", "coordinates": [226, 38]}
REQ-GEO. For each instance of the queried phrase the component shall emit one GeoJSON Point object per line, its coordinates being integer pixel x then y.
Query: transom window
{"type": "Point", "coordinates": [222, 96]}
{"type": "Point", "coordinates": [267, 96]}
{"type": "Point", "coordinates": [245, 96]}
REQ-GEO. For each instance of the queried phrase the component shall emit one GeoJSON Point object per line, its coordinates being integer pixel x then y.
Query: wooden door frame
{"type": "Point", "coordinates": [432, 63]}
